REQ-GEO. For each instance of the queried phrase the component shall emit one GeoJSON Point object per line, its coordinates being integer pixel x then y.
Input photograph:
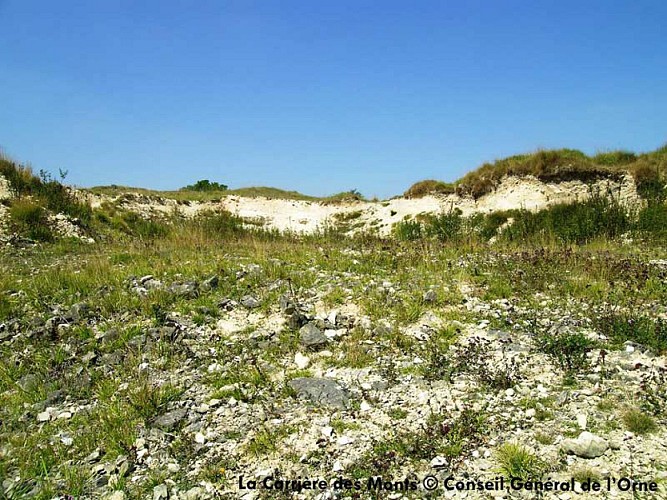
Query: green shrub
{"type": "Point", "coordinates": [205, 185]}
{"type": "Point", "coordinates": [44, 190]}
{"type": "Point", "coordinates": [30, 219]}
{"type": "Point", "coordinates": [568, 350]}
{"type": "Point", "coordinates": [221, 224]}
{"type": "Point", "coordinates": [652, 221]}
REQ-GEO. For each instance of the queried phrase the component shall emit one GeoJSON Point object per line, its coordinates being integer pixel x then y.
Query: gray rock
{"type": "Point", "coordinates": [160, 492]}
{"type": "Point", "coordinates": [78, 311]}
{"type": "Point", "coordinates": [196, 493]}
{"type": "Point", "coordinates": [430, 296]}
{"type": "Point", "coordinates": [382, 331]}
{"type": "Point", "coordinates": [323, 391]}
{"type": "Point", "coordinates": [187, 290]}
{"type": "Point", "coordinates": [250, 302]}
{"type": "Point", "coordinates": [312, 337]}
{"type": "Point", "coordinates": [210, 283]}
{"type": "Point", "coordinates": [296, 320]}
{"type": "Point", "coordinates": [170, 420]}
{"type": "Point", "coordinates": [28, 382]}
{"type": "Point", "coordinates": [288, 304]}
{"type": "Point", "coordinates": [587, 445]}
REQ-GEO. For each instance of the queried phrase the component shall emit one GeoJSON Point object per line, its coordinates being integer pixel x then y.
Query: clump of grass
{"type": "Point", "coordinates": [429, 186]}
{"type": "Point", "coordinates": [149, 400]}
{"type": "Point", "coordinates": [30, 219]}
{"type": "Point", "coordinates": [516, 461]}
{"type": "Point", "coordinates": [639, 422]}
{"type": "Point", "coordinates": [583, 474]}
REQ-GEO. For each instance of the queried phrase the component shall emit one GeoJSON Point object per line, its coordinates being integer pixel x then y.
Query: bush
{"type": "Point", "coordinates": [221, 224]}
{"type": "Point", "coordinates": [133, 224]}
{"type": "Point", "coordinates": [568, 350]}
{"type": "Point", "coordinates": [205, 185]}
{"type": "Point", "coordinates": [652, 220]}
{"type": "Point", "coordinates": [30, 219]}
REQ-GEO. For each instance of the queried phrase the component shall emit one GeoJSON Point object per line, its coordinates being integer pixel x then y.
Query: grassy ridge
{"type": "Point", "coordinates": [559, 165]}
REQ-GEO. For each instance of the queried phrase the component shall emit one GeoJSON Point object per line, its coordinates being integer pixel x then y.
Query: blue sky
{"type": "Point", "coordinates": [323, 96]}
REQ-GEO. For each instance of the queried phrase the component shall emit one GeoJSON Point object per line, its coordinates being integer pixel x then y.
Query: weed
{"type": "Point", "coordinates": [476, 358]}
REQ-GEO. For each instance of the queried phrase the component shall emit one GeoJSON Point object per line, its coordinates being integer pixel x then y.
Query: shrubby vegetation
{"type": "Point", "coordinates": [568, 223]}
{"type": "Point", "coordinates": [205, 185]}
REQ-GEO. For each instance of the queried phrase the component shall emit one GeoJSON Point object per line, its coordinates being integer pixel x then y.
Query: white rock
{"type": "Point", "coordinates": [439, 462]}
{"type": "Point", "coordinates": [344, 440]}
{"type": "Point", "coordinates": [326, 431]}
{"type": "Point", "coordinates": [45, 416]}
{"type": "Point", "coordinates": [530, 412]}
{"type": "Point", "coordinates": [302, 362]}
{"type": "Point", "coordinates": [65, 415]}
{"type": "Point", "coordinates": [509, 392]}
{"type": "Point", "coordinates": [364, 406]}
{"type": "Point", "coordinates": [582, 421]}
{"type": "Point", "coordinates": [337, 466]}
{"type": "Point", "coordinates": [199, 438]}
{"type": "Point", "coordinates": [214, 368]}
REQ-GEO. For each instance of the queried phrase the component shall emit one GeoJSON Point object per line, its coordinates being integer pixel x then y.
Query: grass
{"type": "Point", "coordinates": [639, 422]}
{"type": "Point", "coordinates": [517, 461]}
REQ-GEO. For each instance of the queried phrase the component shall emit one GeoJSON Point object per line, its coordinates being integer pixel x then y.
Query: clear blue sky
{"type": "Point", "coordinates": [323, 96]}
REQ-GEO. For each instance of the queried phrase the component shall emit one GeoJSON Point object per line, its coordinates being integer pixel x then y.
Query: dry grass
{"type": "Point", "coordinates": [430, 186]}
{"type": "Point", "coordinates": [557, 165]}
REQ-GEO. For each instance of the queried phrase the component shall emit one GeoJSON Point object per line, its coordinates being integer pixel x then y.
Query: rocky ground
{"type": "Point", "coordinates": [189, 369]}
